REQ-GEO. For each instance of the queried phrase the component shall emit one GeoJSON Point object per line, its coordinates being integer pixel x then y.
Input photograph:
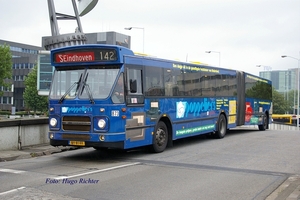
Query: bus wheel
{"type": "Point", "coordinates": [263, 126]}
{"type": "Point", "coordinates": [222, 127]}
{"type": "Point", "coordinates": [160, 138]}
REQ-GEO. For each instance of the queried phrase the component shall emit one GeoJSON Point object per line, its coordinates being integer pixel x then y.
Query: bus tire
{"type": "Point", "coordinates": [263, 126]}
{"type": "Point", "coordinates": [160, 138]}
{"type": "Point", "coordinates": [221, 127]}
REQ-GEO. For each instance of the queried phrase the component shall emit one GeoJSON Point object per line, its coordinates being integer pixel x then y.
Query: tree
{"type": "Point", "coordinates": [259, 90]}
{"type": "Point", "coordinates": [280, 106]}
{"type": "Point", "coordinates": [5, 67]}
{"type": "Point", "coordinates": [33, 101]}
{"type": "Point", "coordinates": [292, 101]}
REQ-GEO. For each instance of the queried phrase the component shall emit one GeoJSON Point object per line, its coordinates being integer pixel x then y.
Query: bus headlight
{"type": "Point", "coordinates": [101, 123]}
{"type": "Point", "coordinates": [53, 122]}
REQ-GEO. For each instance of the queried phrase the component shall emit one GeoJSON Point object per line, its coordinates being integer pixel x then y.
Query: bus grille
{"type": "Point", "coordinates": [73, 123]}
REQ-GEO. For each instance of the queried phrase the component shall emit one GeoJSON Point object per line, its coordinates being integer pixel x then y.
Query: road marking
{"type": "Point", "coordinates": [13, 190]}
{"type": "Point", "coordinates": [97, 171]}
{"type": "Point", "coordinates": [12, 171]}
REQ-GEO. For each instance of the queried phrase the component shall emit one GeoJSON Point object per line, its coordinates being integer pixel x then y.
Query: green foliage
{"type": "Point", "coordinates": [5, 66]}
{"type": "Point", "coordinates": [260, 90]}
{"type": "Point", "coordinates": [32, 100]}
{"type": "Point", "coordinates": [3, 112]}
{"type": "Point", "coordinates": [292, 100]}
{"type": "Point", "coordinates": [280, 106]}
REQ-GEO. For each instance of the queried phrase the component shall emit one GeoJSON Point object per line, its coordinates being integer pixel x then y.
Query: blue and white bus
{"type": "Point", "coordinates": [159, 101]}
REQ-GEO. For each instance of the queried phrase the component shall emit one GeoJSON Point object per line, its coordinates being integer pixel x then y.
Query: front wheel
{"type": "Point", "coordinates": [160, 138]}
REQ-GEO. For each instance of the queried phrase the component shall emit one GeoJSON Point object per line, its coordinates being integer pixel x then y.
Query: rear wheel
{"type": "Point", "coordinates": [263, 126]}
{"type": "Point", "coordinates": [160, 138]}
{"type": "Point", "coordinates": [222, 127]}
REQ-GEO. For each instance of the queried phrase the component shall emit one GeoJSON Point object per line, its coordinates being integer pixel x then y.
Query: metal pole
{"type": "Point", "coordinates": [219, 59]}
{"type": "Point", "coordinates": [129, 28]}
{"type": "Point", "coordinates": [284, 56]}
{"type": "Point", "coordinates": [298, 95]}
{"type": "Point", "coordinates": [294, 101]}
{"type": "Point", "coordinates": [218, 53]}
{"type": "Point", "coordinates": [143, 40]}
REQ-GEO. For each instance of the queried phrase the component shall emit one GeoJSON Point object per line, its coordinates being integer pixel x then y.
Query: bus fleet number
{"type": "Point", "coordinates": [107, 55]}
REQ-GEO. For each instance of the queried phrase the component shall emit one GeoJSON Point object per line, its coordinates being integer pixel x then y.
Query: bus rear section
{"type": "Point", "coordinates": [254, 96]}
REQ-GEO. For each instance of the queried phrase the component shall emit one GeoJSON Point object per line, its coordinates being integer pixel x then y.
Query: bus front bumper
{"type": "Point", "coordinates": [113, 140]}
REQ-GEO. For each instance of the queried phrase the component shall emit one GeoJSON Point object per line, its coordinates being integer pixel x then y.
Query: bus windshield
{"type": "Point", "coordinates": [83, 83]}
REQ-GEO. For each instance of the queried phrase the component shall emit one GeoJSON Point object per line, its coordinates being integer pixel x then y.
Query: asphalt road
{"type": "Point", "coordinates": [246, 164]}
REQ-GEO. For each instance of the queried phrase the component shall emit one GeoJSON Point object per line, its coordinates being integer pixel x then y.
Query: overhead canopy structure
{"type": "Point", "coordinates": [60, 40]}
{"type": "Point", "coordinates": [70, 39]}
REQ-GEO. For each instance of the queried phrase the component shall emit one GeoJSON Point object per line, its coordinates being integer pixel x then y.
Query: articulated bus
{"type": "Point", "coordinates": [162, 100]}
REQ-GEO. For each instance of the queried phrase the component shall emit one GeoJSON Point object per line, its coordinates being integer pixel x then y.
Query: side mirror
{"type": "Point", "coordinates": [133, 86]}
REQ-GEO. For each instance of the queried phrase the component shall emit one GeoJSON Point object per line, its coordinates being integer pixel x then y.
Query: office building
{"type": "Point", "coordinates": [24, 57]}
{"type": "Point", "coordinates": [282, 80]}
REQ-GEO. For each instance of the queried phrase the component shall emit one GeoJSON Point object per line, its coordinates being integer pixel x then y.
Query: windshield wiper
{"type": "Point", "coordinates": [69, 90]}
{"type": "Point", "coordinates": [89, 93]}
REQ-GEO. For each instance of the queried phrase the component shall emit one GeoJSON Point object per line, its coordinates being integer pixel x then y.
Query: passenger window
{"type": "Point", "coordinates": [154, 81]}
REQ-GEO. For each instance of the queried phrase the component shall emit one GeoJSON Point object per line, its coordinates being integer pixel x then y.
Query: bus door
{"type": "Point", "coordinates": [136, 117]}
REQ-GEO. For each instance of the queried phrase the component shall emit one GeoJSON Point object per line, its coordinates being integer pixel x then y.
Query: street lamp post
{"type": "Point", "coordinates": [285, 56]}
{"type": "Point", "coordinates": [129, 28]}
{"type": "Point", "coordinates": [266, 68]}
{"type": "Point", "coordinates": [218, 53]}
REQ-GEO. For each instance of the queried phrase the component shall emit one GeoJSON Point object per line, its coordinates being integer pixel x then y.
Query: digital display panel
{"type": "Point", "coordinates": [86, 55]}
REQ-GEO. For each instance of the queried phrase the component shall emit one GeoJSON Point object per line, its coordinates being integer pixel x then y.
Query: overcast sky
{"type": "Point", "coordinates": [246, 33]}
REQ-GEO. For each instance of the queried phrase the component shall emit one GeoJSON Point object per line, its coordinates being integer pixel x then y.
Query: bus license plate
{"type": "Point", "coordinates": [77, 143]}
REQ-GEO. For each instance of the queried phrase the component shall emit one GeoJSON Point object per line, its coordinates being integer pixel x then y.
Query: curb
{"type": "Point", "coordinates": [31, 152]}
{"type": "Point", "coordinates": [289, 189]}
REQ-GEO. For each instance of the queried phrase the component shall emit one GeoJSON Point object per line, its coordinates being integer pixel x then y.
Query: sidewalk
{"type": "Point", "coordinates": [32, 151]}
{"type": "Point", "coordinates": [288, 190]}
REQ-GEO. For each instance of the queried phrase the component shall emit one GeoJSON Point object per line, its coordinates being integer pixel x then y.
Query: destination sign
{"type": "Point", "coordinates": [86, 55]}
